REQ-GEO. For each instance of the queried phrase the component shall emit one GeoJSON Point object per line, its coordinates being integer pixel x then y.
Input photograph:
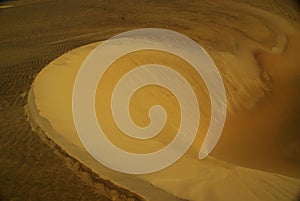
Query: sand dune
{"type": "Point", "coordinates": [257, 157]}
{"type": "Point", "coordinates": [254, 43]}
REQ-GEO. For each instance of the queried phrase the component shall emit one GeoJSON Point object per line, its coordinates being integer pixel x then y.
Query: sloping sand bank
{"type": "Point", "coordinates": [189, 178]}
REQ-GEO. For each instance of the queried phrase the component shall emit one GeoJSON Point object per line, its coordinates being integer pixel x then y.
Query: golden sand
{"type": "Point", "coordinates": [54, 103]}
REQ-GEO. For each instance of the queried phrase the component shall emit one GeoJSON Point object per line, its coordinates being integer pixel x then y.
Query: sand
{"type": "Point", "coordinates": [257, 157]}
{"type": "Point", "coordinates": [238, 34]}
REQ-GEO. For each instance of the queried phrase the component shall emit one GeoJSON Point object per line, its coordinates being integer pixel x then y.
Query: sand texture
{"type": "Point", "coordinates": [255, 46]}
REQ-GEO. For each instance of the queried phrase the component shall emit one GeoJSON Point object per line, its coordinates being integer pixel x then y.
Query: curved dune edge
{"type": "Point", "coordinates": [209, 179]}
{"type": "Point", "coordinates": [108, 182]}
{"type": "Point", "coordinates": [105, 186]}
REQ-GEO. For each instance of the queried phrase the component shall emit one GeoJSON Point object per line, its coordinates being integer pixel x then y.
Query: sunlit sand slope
{"type": "Point", "coordinates": [209, 178]}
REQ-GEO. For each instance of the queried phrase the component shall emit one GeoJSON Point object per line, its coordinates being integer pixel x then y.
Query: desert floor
{"type": "Point", "coordinates": [255, 46]}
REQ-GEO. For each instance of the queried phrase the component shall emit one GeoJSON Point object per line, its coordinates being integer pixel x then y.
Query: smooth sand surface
{"type": "Point", "coordinates": [257, 157]}
{"type": "Point", "coordinates": [206, 179]}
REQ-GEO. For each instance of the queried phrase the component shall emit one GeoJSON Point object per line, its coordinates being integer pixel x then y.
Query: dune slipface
{"type": "Point", "coordinates": [257, 157]}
